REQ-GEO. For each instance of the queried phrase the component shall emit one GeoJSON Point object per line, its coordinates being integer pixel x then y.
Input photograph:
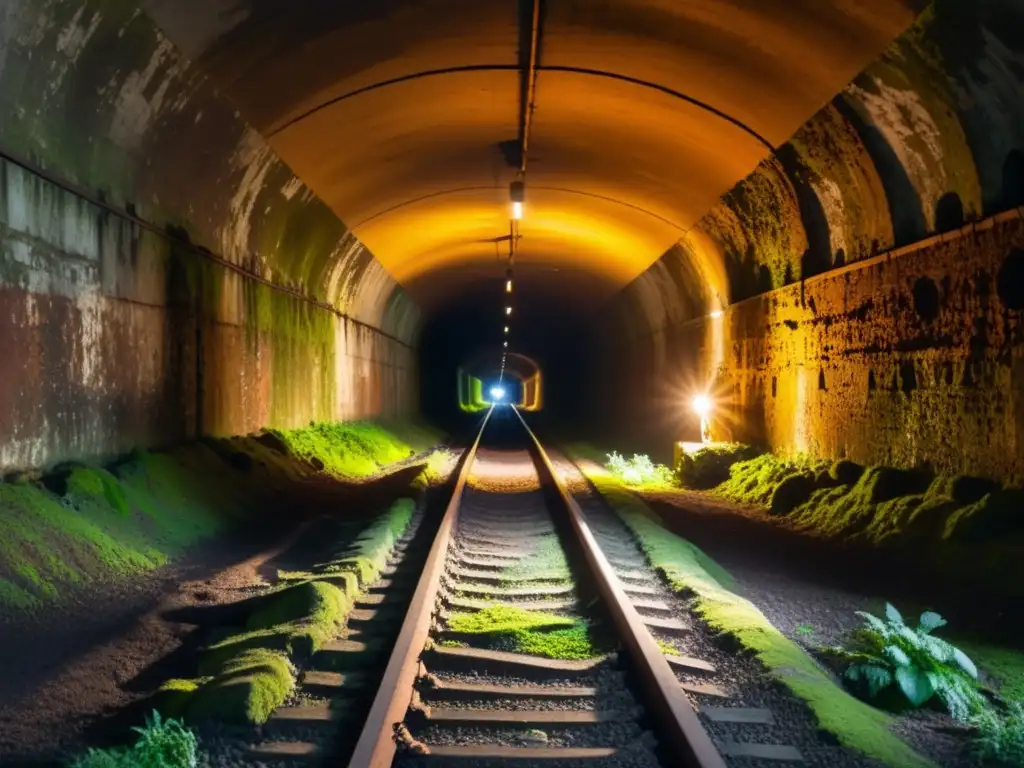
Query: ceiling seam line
{"type": "Point", "coordinates": [736, 122]}
{"type": "Point", "coordinates": [456, 190]}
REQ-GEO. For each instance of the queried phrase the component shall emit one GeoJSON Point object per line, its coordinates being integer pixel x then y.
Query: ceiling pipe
{"type": "Point", "coordinates": [531, 86]}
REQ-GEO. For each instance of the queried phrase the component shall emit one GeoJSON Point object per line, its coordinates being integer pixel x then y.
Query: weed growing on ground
{"type": "Point", "coordinates": [999, 738]}
{"type": "Point", "coordinates": [668, 649]}
{"type": "Point", "coordinates": [887, 653]}
{"type": "Point", "coordinates": [161, 744]}
{"type": "Point", "coordinates": [639, 471]}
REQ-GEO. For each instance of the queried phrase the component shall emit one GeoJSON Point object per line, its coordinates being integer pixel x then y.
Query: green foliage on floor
{"type": "Point", "coordinates": [854, 723]}
{"type": "Point", "coordinates": [161, 744]}
{"type": "Point", "coordinates": [248, 673]}
{"type": "Point", "coordinates": [358, 448]}
{"type": "Point", "coordinates": [887, 656]}
{"type": "Point", "coordinates": [89, 523]}
{"type": "Point", "coordinates": [1005, 666]}
{"type": "Point", "coordinates": [247, 689]}
{"type": "Point", "coordinates": [532, 632]}
{"type": "Point", "coordinates": [109, 524]}
{"type": "Point", "coordinates": [999, 736]}
{"type": "Point", "coordinates": [639, 471]}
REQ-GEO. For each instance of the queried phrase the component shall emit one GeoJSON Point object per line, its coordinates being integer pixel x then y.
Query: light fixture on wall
{"type": "Point", "coordinates": [506, 330]}
{"type": "Point", "coordinates": [508, 310]}
{"type": "Point", "coordinates": [508, 281]}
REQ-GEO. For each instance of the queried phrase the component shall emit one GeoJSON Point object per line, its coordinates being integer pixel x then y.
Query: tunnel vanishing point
{"type": "Point", "coordinates": [223, 215]}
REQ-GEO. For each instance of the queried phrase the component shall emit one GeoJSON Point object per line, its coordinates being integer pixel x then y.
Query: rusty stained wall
{"type": "Point", "coordinates": [909, 359]}
{"type": "Point", "coordinates": [116, 335]}
{"type": "Point", "coordinates": [927, 138]}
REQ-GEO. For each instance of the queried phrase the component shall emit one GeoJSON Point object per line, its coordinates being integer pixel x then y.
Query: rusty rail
{"type": "Point", "coordinates": [376, 746]}
{"type": "Point", "coordinates": [664, 696]}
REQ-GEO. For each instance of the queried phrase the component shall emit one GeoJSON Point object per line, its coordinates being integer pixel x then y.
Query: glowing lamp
{"type": "Point", "coordinates": [716, 314]}
{"type": "Point", "coordinates": [701, 405]}
{"type": "Point", "coordinates": [506, 345]}
{"type": "Point", "coordinates": [506, 329]}
{"type": "Point", "coordinates": [517, 194]}
{"type": "Point", "coordinates": [498, 393]}
{"type": "Point", "coordinates": [508, 310]}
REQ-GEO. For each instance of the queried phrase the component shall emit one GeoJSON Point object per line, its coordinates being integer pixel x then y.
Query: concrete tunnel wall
{"type": "Point", "coordinates": [136, 308]}
{"type": "Point", "coordinates": [908, 351]}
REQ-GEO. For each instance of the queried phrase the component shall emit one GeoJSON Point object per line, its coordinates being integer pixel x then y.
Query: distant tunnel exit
{"type": "Point", "coordinates": [482, 382]}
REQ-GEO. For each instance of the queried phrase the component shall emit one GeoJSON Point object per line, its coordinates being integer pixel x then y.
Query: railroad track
{"type": "Point", "coordinates": [515, 545]}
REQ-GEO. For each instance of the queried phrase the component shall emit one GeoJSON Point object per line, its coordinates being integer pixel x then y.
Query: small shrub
{"type": "Point", "coordinates": [161, 744]}
{"type": "Point", "coordinates": [999, 739]}
{"type": "Point", "coordinates": [887, 654]}
{"type": "Point", "coordinates": [708, 467]}
{"type": "Point", "coordinates": [639, 470]}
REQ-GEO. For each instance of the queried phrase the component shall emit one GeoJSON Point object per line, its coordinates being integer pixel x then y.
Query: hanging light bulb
{"type": "Point", "coordinates": [517, 194]}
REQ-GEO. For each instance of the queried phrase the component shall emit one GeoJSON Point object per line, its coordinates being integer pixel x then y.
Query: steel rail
{"type": "Point", "coordinates": [673, 713]}
{"type": "Point", "coordinates": [376, 746]}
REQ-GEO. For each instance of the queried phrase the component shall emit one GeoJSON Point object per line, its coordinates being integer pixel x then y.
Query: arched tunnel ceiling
{"type": "Point", "coordinates": [647, 111]}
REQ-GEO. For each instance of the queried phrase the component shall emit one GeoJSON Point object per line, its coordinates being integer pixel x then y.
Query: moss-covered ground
{"type": "Point", "coordinates": [532, 632]}
{"type": "Point", "coordinates": [358, 449]}
{"type": "Point", "coordinates": [547, 562]}
{"type": "Point", "coordinates": [854, 723]}
{"type": "Point", "coordinates": [250, 671]}
{"type": "Point", "coordinates": [966, 528]}
{"type": "Point", "coordinates": [81, 524]}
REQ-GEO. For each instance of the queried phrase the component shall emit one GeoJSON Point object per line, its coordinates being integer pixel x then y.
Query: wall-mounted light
{"type": "Point", "coordinates": [506, 330]}
{"type": "Point", "coordinates": [517, 194]}
{"type": "Point", "coordinates": [508, 286]}
{"type": "Point", "coordinates": [701, 405]}
{"type": "Point", "coordinates": [508, 310]}
{"type": "Point", "coordinates": [506, 345]}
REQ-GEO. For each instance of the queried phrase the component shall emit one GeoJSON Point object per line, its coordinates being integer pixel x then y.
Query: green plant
{"type": "Point", "coordinates": [639, 470]}
{"type": "Point", "coordinates": [887, 652]}
{"type": "Point", "coordinates": [161, 744]}
{"type": "Point", "coordinates": [999, 739]}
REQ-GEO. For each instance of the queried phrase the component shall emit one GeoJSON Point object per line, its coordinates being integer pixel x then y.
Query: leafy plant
{"type": "Point", "coordinates": [888, 653]}
{"type": "Point", "coordinates": [999, 740]}
{"type": "Point", "coordinates": [161, 744]}
{"type": "Point", "coordinates": [639, 470]}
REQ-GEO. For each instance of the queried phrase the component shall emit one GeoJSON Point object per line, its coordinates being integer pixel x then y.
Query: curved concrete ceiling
{"type": "Point", "coordinates": [399, 115]}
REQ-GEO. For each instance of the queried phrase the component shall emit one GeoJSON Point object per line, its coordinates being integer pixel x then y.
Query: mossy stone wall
{"type": "Point", "coordinates": [134, 309]}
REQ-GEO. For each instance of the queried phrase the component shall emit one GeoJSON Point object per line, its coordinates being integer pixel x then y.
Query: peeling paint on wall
{"type": "Point", "coordinates": [85, 291]}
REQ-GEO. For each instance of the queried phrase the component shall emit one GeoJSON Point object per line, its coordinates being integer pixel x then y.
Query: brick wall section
{"type": "Point", "coordinates": [912, 358]}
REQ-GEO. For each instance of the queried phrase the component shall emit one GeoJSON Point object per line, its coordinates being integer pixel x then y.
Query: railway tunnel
{"type": "Point", "coordinates": [657, 227]}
